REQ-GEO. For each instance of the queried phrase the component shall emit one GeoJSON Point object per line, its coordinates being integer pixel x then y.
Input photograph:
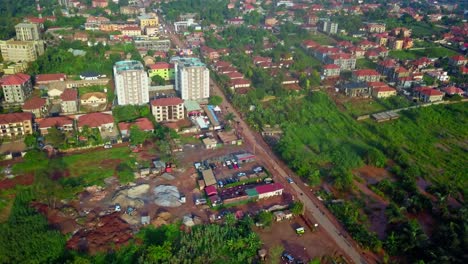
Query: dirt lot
{"type": "Point", "coordinates": [313, 244]}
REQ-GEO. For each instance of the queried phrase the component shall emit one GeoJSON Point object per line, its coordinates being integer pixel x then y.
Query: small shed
{"type": "Point", "coordinates": [145, 220]}
{"type": "Point", "coordinates": [201, 184]}
{"type": "Point", "coordinates": [211, 190]}
{"type": "Point", "coordinates": [245, 157]}
{"type": "Point", "coordinates": [210, 143]}
{"type": "Point", "coordinates": [215, 200]}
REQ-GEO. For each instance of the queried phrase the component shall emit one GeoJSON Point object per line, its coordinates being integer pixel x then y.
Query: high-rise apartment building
{"type": "Point", "coordinates": [16, 51]}
{"type": "Point", "coordinates": [192, 78]}
{"type": "Point", "coordinates": [131, 83]}
{"type": "Point", "coordinates": [328, 27]}
{"type": "Point", "coordinates": [27, 31]}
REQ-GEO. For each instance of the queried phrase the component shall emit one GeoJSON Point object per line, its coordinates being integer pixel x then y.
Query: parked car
{"type": "Point", "coordinates": [200, 201]}
{"type": "Point", "coordinates": [220, 184]}
{"type": "Point", "coordinates": [258, 169]}
{"type": "Point", "coordinates": [287, 257]}
{"type": "Point", "coordinates": [290, 180]}
{"type": "Point", "coordinates": [107, 146]}
{"type": "Point", "coordinates": [241, 174]}
{"type": "Point", "coordinates": [235, 165]}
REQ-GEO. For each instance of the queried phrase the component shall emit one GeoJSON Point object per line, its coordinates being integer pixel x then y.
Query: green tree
{"type": "Point", "coordinates": [215, 100]}
{"type": "Point", "coordinates": [30, 141]}
{"type": "Point", "coordinates": [265, 218]}
{"type": "Point", "coordinates": [55, 137]}
{"type": "Point", "coordinates": [158, 80]}
{"type": "Point", "coordinates": [297, 208]}
{"type": "Point", "coordinates": [274, 256]}
{"type": "Point", "coordinates": [138, 136]}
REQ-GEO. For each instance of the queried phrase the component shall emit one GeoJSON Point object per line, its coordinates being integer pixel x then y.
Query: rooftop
{"type": "Point", "coordinates": [128, 65]}
{"type": "Point", "coordinates": [187, 61]}
{"type": "Point", "coordinates": [55, 121]}
{"type": "Point", "coordinates": [15, 117]}
{"type": "Point", "coordinates": [15, 79]}
{"type": "Point", "coordinates": [95, 120]}
{"type": "Point", "coordinates": [167, 101]}
{"type": "Point", "coordinates": [34, 103]}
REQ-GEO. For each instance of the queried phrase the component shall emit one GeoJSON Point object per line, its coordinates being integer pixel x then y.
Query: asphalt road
{"type": "Point", "coordinates": [273, 164]}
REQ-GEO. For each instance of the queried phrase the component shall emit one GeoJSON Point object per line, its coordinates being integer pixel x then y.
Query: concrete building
{"type": "Point", "coordinates": [154, 45]}
{"type": "Point", "coordinates": [192, 78]}
{"type": "Point", "coordinates": [328, 27]}
{"type": "Point", "coordinates": [15, 125]}
{"type": "Point", "coordinates": [168, 109]}
{"type": "Point", "coordinates": [131, 83]}
{"type": "Point", "coordinates": [16, 88]}
{"type": "Point", "coordinates": [37, 106]}
{"type": "Point", "coordinates": [69, 101]}
{"type": "Point", "coordinates": [163, 69]}
{"type": "Point", "coordinates": [15, 50]}
{"type": "Point", "coordinates": [146, 20]}
{"type": "Point", "coordinates": [27, 31]}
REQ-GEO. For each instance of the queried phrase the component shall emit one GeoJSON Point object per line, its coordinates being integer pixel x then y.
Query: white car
{"type": "Point", "coordinates": [107, 146]}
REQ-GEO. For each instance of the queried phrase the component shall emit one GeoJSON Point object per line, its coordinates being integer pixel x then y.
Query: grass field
{"type": "Point", "coordinates": [322, 39]}
{"type": "Point", "coordinates": [428, 52]}
{"type": "Point", "coordinates": [95, 166]}
{"type": "Point", "coordinates": [364, 63]}
{"type": "Point", "coordinates": [373, 105]}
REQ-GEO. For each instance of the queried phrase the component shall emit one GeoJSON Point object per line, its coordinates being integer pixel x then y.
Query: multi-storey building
{"type": "Point", "coordinates": [331, 71]}
{"type": "Point", "coordinates": [131, 83]}
{"type": "Point", "coordinates": [365, 75]}
{"type": "Point", "coordinates": [345, 60]}
{"type": "Point", "coordinates": [192, 78]}
{"type": "Point", "coordinates": [16, 88]}
{"type": "Point", "coordinates": [69, 101]}
{"type": "Point", "coordinates": [154, 45]}
{"type": "Point", "coordinates": [163, 69]}
{"type": "Point", "coordinates": [27, 31]}
{"type": "Point", "coordinates": [15, 125]}
{"type": "Point", "coordinates": [168, 109]}
{"type": "Point", "coordinates": [375, 28]}
{"type": "Point", "coordinates": [328, 27]}
{"type": "Point", "coordinates": [147, 20]}
{"type": "Point", "coordinates": [15, 50]}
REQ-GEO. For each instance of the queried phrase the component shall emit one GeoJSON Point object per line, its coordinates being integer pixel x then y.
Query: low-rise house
{"type": "Point", "coordinates": [168, 109]}
{"type": "Point", "coordinates": [99, 3]}
{"type": "Point", "coordinates": [209, 53]}
{"type": "Point", "coordinates": [234, 75]}
{"type": "Point", "coordinates": [15, 125]}
{"type": "Point", "coordinates": [383, 91]}
{"type": "Point", "coordinates": [63, 123]}
{"type": "Point", "coordinates": [93, 99]}
{"type": "Point", "coordinates": [239, 83]}
{"type": "Point", "coordinates": [345, 60]}
{"type": "Point", "coordinates": [458, 60]}
{"type": "Point", "coordinates": [453, 90]}
{"type": "Point", "coordinates": [210, 143]}
{"type": "Point", "coordinates": [357, 52]}
{"type": "Point", "coordinates": [372, 54]}
{"type": "Point", "coordinates": [356, 89]}
{"type": "Point", "coordinates": [37, 106]}
{"type": "Point", "coordinates": [331, 71]}
{"type": "Point", "coordinates": [101, 121]}
{"type": "Point", "coordinates": [143, 124]}
{"type": "Point", "coordinates": [269, 190]}
{"type": "Point", "coordinates": [366, 45]}
{"type": "Point", "coordinates": [365, 75]}
{"type": "Point", "coordinates": [131, 31]}
{"type": "Point", "coordinates": [69, 101]}
{"type": "Point", "coordinates": [162, 69]}
{"type": "Point", "coordinates": [45, 79]}
{"type": "Point", "coordinates": [16, 88]}
{"type": "Point", "coordinates": [428, 95]}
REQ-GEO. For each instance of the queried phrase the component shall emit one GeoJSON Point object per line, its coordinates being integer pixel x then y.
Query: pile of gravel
{"type": "Point", "coordinates": [167, 196]}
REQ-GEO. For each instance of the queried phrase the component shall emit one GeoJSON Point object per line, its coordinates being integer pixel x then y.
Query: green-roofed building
{"type": "Point", "coordinates": [252, 193]}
